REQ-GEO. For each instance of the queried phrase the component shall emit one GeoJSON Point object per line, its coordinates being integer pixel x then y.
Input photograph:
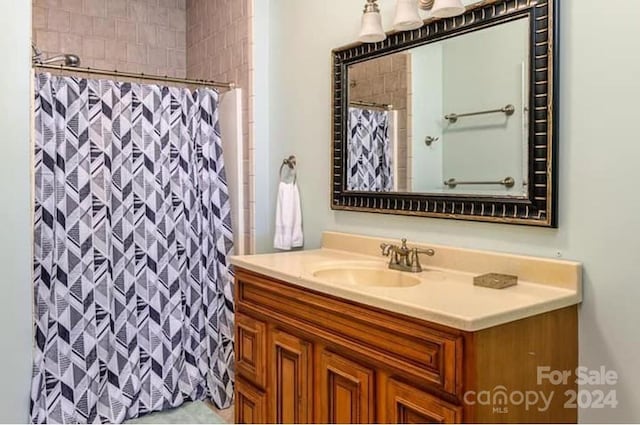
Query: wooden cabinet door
{"type": "Point", "coordinates": [409, 405]}
{"type": "Point", "coordinates": [250, 404]}
{"type": "Point", "coordinates": [345, 391]}
{"type": "Point", "coordinates": [291, 378]}
{"type": "Point", "coordinates": [251, 349]}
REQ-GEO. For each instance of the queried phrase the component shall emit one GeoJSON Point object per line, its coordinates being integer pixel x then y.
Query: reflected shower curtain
{"type": "Point", "coordinates": [370, 151]}
{"type": "Point", "coordinates": [133, 288]}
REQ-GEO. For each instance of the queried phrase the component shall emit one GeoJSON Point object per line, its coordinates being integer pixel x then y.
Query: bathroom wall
{"type": "Point", "coordinates": [219, 47]}
{"type": "Point", "coordinates": [128, 35]}
{"type": "Point", "coordinates": [599, 222]}
{"type": "Point", "coordinates": [426, 97]}
{"type": "Point", "coordinates": [15, 214]}
{"type": "Point", "coordinates": [387, 81]}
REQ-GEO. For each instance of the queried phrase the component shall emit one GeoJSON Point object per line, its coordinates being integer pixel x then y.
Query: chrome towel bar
{"type": "Point", "coordinates": [507, 110]}
{"type": "Point", "coordinates": [507, 182]}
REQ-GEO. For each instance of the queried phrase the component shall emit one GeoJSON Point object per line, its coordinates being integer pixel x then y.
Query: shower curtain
{"type": "Point", "coordinates": [132, 283]}
{"type": "Point", "coordinates": [370, 151]}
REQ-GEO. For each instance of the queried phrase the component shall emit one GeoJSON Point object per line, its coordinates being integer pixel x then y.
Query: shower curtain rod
{"type": "Point", "coordinates": [371, 105]}
{"type": "Point", "coordinates": [148, 77]}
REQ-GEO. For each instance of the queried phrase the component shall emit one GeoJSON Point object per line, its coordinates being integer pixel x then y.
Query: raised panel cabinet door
{"type": "Point", "coordinates": [250, 404]}
{"type": "Point", "coordinates": [251, 349]}
{"type": "Point", "coordinates": [346, 391]}
{"type": "Point", "coordinates": [406, 404]}
{"type": "Point", "coordinates": [291, 378]}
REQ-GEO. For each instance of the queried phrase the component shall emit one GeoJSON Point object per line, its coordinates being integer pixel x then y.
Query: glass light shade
{"type": "Point", "coordinates": [372, 31]}
{"type": "Point", "coordinates": [407, 16]}
{"type": "Point", "coordinates": [447, 8]}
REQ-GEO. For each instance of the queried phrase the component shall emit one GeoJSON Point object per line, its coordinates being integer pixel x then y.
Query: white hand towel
{"type": "Point", "coordinates": [288, 218]}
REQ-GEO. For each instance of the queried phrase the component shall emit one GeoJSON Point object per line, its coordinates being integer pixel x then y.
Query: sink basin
{"type": "Point", "coordinates": [367, 277]}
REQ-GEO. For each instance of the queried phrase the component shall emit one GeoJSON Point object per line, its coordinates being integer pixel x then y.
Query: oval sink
{"type": "Point", "coordinates": [367, 277]}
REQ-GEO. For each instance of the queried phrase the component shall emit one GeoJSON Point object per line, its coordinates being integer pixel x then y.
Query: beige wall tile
{"type": "Point", "coordinates": [169, 4]}
{"type": "Point", "coordinates": [158, 16]}
{"type": "Point", "coordinates": [117, 8]}
{"type": "Point", "coordinates": [148, 34]}
{"type": "Point", "coordinates": [157, 56]}
{"type": "Point", "coordinates": [104, 27]}
{"type": "Point", "coordinates": [48, 41]}
{"type": "Point", "coordinates": [70, 5]}
{"type": "Point", "coordinates": [93, 47]}
{"type": "Point", "coordinates": [81, 24]}
{"type": "Point", "coordinates": [94, 8]}
{"type": "Point", "coordinates": [126, 30]}
{"type": "Point", "coordinates": [39, 17]}
{"type": "Point", "coordinates": [138, 10]}
{"type": "Point", "coordinates": [116, 51]}
{"type": "Point", "coordinates": [137, 53]}
{"type": "Point", "coordinates": [58, 20]}
{"type": "Point", "coordinates": [167, 37]}
{"type": "Point", "coordinates": [71, 43]}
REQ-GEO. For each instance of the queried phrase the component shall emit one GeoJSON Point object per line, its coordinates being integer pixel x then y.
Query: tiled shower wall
{"type": "Point", "coordinates": [219, 46]}
{"type": "Point", "coordinates": [386, 80]}
{"type": "Point", "coordinates": [128, 35]}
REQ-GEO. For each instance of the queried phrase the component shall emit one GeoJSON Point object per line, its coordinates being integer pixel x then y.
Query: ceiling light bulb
{"type": "Point", "coordinates": [371, 31]}
{"type": "Point", "coordinates": [447, 8]}
{"type": "Point", "coordinates": [407, 16]}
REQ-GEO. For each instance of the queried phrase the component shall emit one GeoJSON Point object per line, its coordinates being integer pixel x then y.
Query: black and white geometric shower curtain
{"type": "Point", "coordinates": [370, 151]}
{"type": "Point", "coordinates": [133, 288]}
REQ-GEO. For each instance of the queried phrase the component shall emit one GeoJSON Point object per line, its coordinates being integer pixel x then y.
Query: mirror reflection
{"type": "Point", "coordinates": [447, 117]}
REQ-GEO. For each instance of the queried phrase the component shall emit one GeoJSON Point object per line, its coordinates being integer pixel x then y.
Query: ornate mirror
{"type": "Point", "coordinates": [457, 119]}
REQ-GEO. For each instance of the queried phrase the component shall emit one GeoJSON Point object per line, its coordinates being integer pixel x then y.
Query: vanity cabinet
{"type": "Point", "coordinates": [304, 356]}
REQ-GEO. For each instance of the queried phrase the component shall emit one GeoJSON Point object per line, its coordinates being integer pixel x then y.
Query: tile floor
{"type": "Point", "coordinates": [199, 412]}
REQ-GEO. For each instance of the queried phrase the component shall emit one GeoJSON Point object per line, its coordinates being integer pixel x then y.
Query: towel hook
{"type": "Point", "coordinates": [291, 163]}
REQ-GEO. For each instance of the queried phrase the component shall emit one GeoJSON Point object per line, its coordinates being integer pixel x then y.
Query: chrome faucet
{"type": "Point", "coordinates": [403, 258]}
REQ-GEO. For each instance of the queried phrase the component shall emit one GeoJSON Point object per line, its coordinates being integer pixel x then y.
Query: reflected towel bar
{"type": "Point", "coordinates": [508, 110]}
{"type": "Point", "coordinates": [507, 182]}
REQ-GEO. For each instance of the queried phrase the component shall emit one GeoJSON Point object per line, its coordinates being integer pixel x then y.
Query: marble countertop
{"type": "Point", "coordinates": [445, 295]}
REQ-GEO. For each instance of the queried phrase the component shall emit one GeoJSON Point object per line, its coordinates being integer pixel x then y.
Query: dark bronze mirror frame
{"type": "Point", "coordinates": [539, 207]}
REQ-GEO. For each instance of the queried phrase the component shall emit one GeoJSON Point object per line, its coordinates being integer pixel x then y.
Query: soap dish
{"type": "Point", "coordinates": [495, 281]}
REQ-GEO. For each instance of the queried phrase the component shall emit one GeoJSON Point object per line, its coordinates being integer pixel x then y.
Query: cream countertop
{"type": "Point", "coordinates": [446, 295]}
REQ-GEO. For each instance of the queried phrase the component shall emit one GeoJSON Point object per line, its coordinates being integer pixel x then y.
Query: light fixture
{"type": "Point", "coordinates": [447, 8]}
{"type": "Point", "coordinates": [425, 4]}
{"type": "Point", "coordinates": [407, 16]}
{"type": "Point", "coordinates": [371, 31]}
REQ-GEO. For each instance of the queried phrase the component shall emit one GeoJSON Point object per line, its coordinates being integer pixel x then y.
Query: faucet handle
{"type": "Point", "coordinates": [385, 248]}
{"type": "Point", "coordinates": [415, 265]}
{"type": "Point", "coordinates": [430, 252]}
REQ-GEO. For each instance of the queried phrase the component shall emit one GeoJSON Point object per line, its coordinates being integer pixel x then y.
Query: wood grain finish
{"type": "Point", "coordinates": [508, 356]}
{"type": "Point", "coordinates": [330, 360]}
{"type": "Point", "coordinates": [428, 353]}
{"type": "Point", "coordinates": [291, 382]}
{"type": "Point", "coordinates": [406, 404]}
{"type": "Point", "coordinates": [251, 349]}
{"type": "Point", "coordinates": [250, 404]}
{"type": "Point", "coordinates": [346, 391]}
